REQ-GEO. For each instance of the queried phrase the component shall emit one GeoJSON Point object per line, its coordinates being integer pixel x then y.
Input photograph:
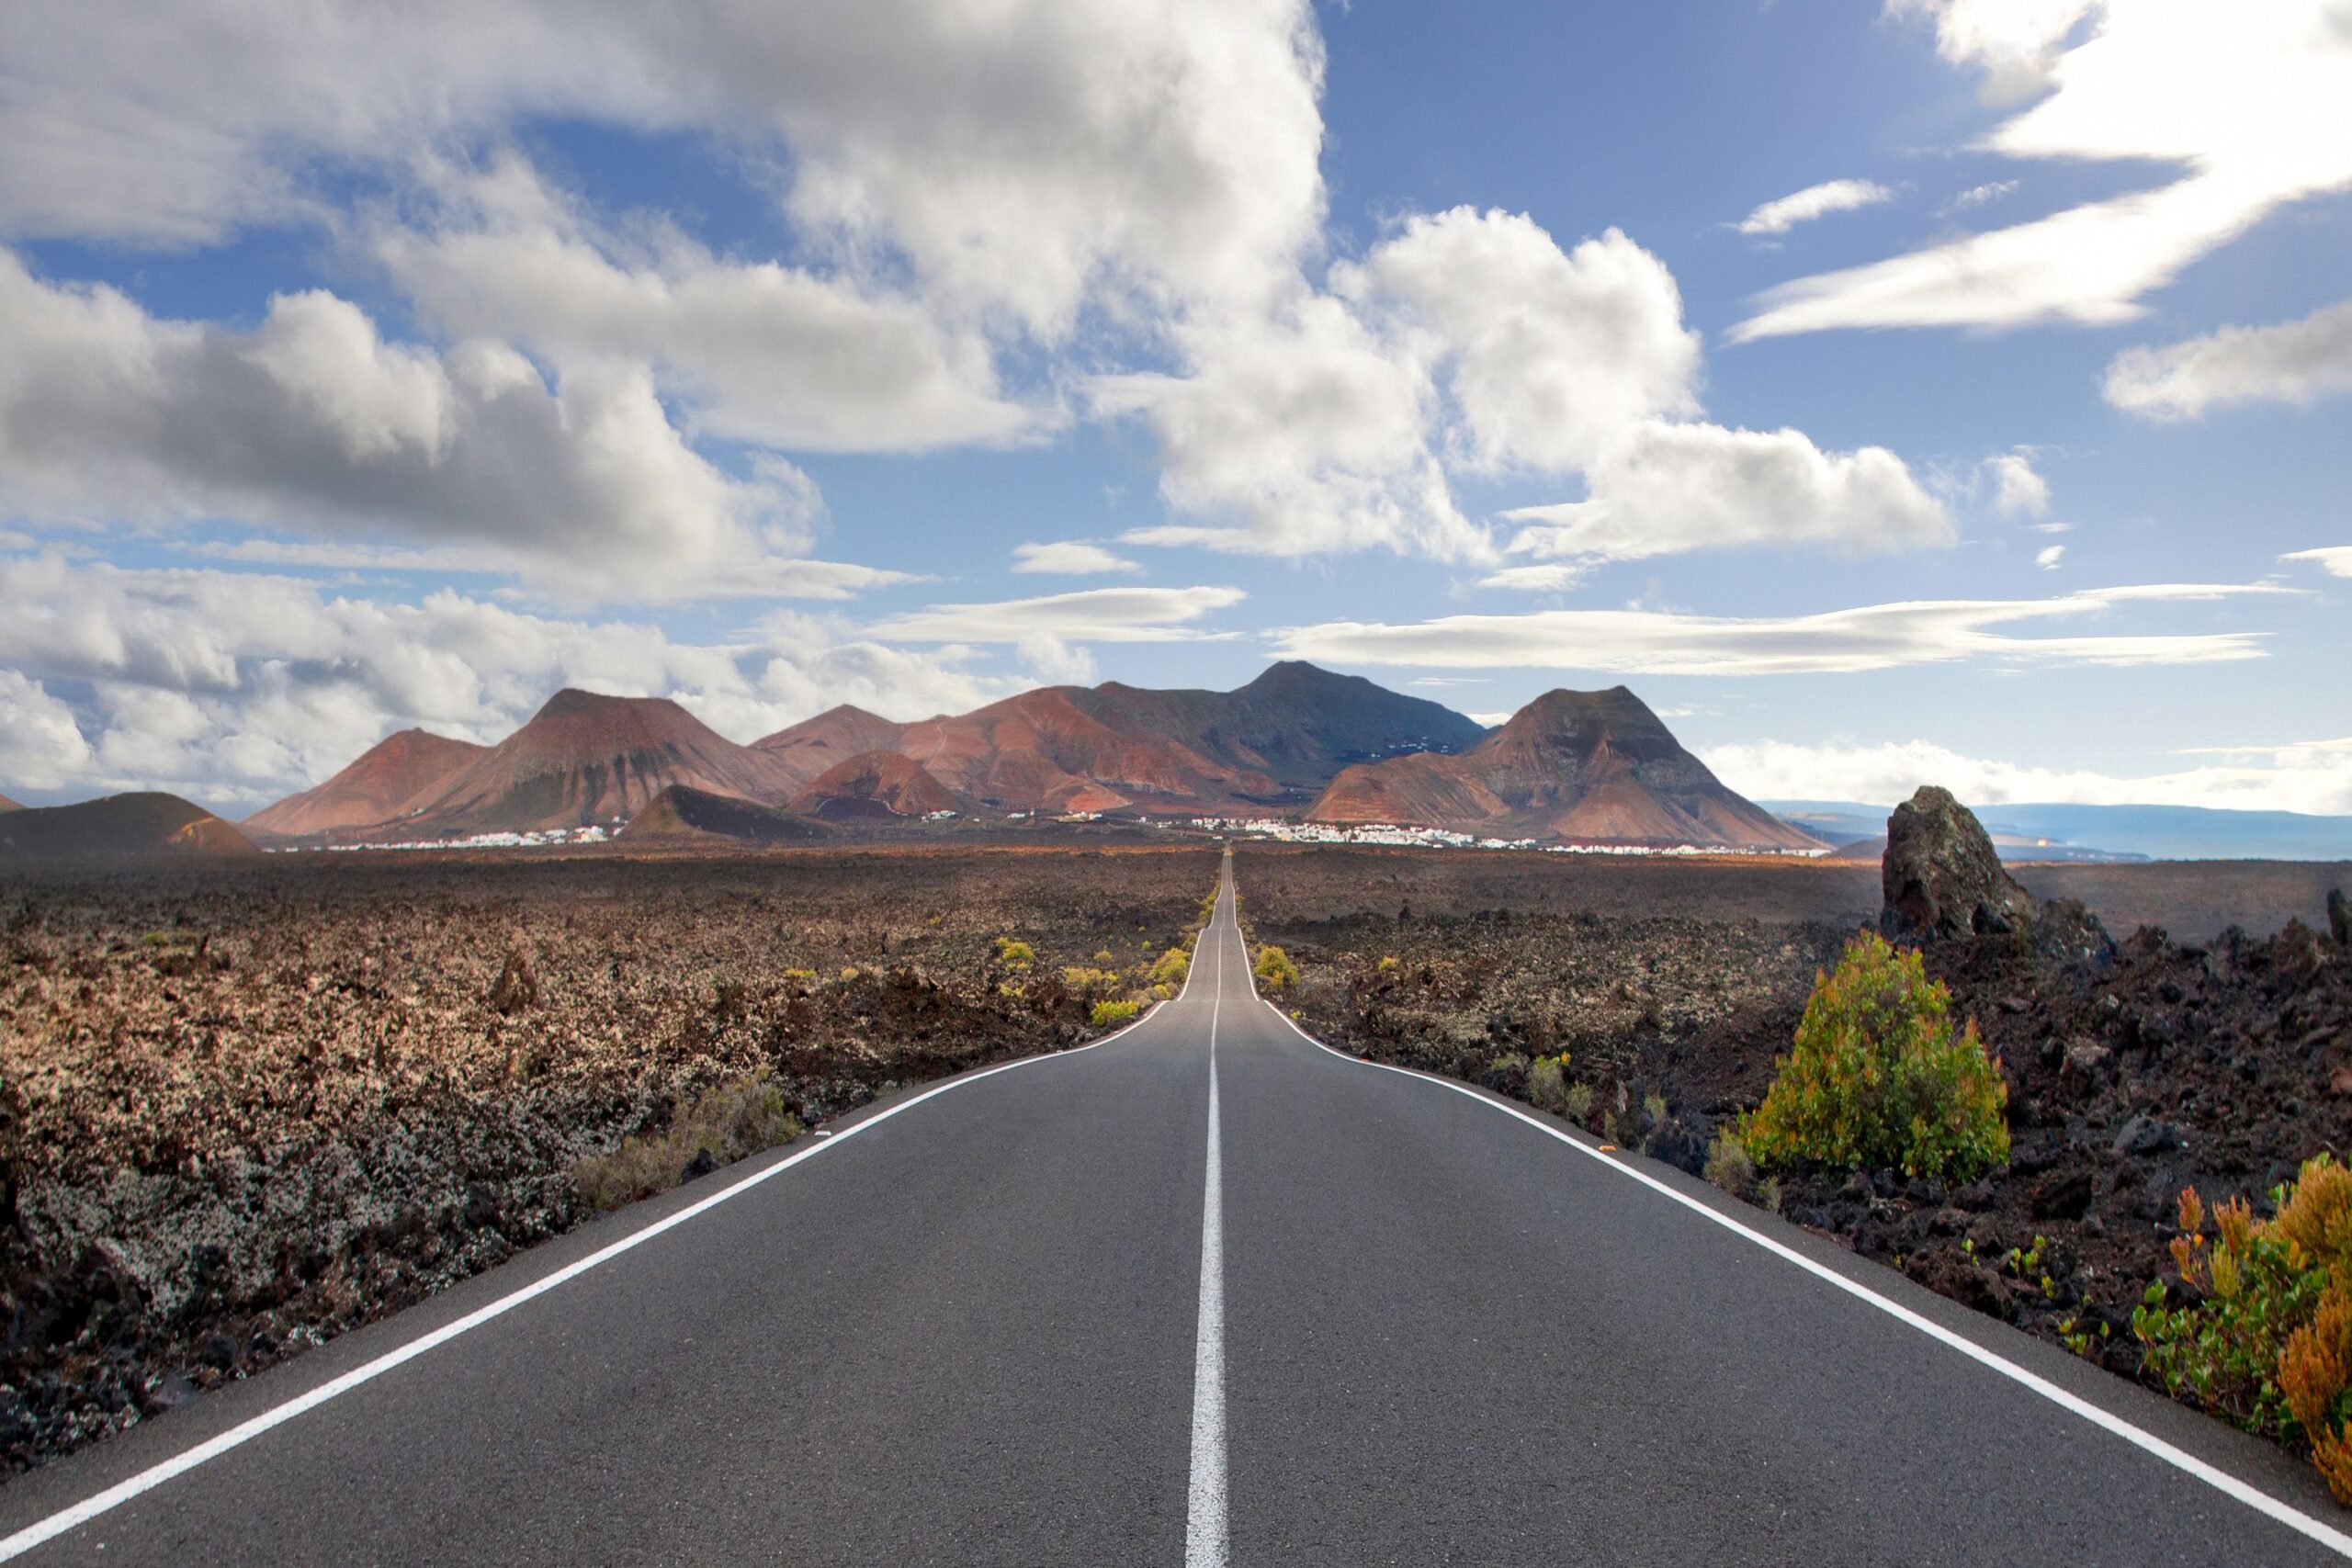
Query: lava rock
{"type": "Point", "coordinates": [2063, 1195]}
{"type": "Point", "coordinates": [2339, 917]}
{"type": "Point", "coordinates": [2145, 1136]}
{"type": "Point", "coordinates": [1940, 877]}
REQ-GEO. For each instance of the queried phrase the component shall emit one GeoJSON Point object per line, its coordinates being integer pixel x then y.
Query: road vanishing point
{"type": "Point", "coordinates": [1204, 1293]}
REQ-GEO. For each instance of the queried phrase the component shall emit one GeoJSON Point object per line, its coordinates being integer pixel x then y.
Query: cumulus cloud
{"type": "Point", "coordinates": [2312, 778]}
{"type": "Point", "coordinates": [313, 422]}
{"type": "Point", "coordinates": [984, 144]}
{"type": "Point", "coordinates": [1874, 637]}
{"type": "Point", "coordinates": [1297, 433]}
{"type": "Point", "coordinates": [1092, 614]}
{"type": "Point", "coordinates": [1666, 489]}
{"type": "Point", "coordinates": [2334, 559]}
{"type": "Point", "coordinates": [2246, 102]}
{"type": "Point", "coordinates": [2295, 362]}
{"type": "Point", "coordinates": [1069, 558]}
{"type": "Point", "coordinates": [1548, 356]}
{"type": "Point", "coordinates": [760, 352]}
{"type": "Point", "coordinates": [242, 687]}
{"type": "Point", "coordinates": [1779, 215]}
{"type": "Point", "coordinates": [1472, 342]}
{"type": "Point", "coordinates": [2018, 490]}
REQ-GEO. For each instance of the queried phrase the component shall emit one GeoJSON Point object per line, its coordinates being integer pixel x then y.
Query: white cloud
{"type": "Point", "coordinates": [1778, 217]}
{"type": "Point", "coordinates": [2334, 559]}
{"type": "Point", "coordinates": [1876, 636]}
{"type": "Point", "coordinates": [2247, 101]}
{"type": "Point", "coordinates": [242, 687]}
{"type": "Point", "coordinates": [41, 747]}
{"type": "Point", "coordinates": [1550, 355]}
{"type": "Point", "coordinates": [2048, 557]}
{"type": "Point", "coordinates": [1550, 578]}
{"type": "Point", "coordinates": [1666, 489]}
{"type": "Point", "coordinates": [1978, 195]}
{"type": "Point", "coordinates": [2309, 778]}
{"type": "Point", "coordinates": [2018, 490]}
{"type": "Point", "coordinates": [1296, 433]}
{"type": "Point", "coordinates": [1090, 614]}
{"type": "Point", "coordinates": [2296, 362]}
{"type": "Point", "coordinates": [312, 421]}
{"type": "Point", "coordinates": [1069, 558]}
{"type": "Point", "coordinates": [1022, 156]}
{"type": "Point", "coordinates": [760, 352]}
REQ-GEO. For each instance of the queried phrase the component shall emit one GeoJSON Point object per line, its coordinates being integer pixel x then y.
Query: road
{"type": "Point", "coordinates": [1046, 1315]}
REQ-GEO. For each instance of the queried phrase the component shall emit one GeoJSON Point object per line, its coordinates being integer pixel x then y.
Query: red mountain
{"type": "Point", "coordinates": [7, 804]}
{"type": "Point", "coordinates": [874, 786]}
{"type": "Point", "coordinates": [585, 759]}
{"type": "Point", "coordinates": [1043, 752]}
{"type": "Point", "coordinates": [119, 827]}
{"type": "Point", "coordinates": [1585, 767]}
{"type": "Point", "coordinates": [810, 746]}
{"type": "Point", "coordinates": [388, 777]}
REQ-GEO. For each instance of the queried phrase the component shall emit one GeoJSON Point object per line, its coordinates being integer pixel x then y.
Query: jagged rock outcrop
{"type": "Point", "coordinates": [1942, 881]}
{"type": "Point", "coordinates": [2339, 917]}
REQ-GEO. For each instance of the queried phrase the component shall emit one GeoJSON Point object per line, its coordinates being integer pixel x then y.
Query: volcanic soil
{"type": "Point", "coordinates": [241, 1112]}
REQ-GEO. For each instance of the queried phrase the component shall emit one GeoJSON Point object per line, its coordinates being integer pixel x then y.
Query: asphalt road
{"type": "Point", "coordinates": [1045, 1315]}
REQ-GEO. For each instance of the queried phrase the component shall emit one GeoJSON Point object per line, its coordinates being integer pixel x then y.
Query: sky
{"type": "Point", "coordinates": [1949, 392]}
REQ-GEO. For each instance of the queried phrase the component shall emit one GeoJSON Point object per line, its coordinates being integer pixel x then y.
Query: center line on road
{"type": "Point", "coordinates": [1205, 1532]}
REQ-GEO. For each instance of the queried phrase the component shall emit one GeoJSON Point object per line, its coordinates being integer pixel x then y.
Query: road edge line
{"type": "Point", "coordinates": [2180, 1459]}
{"type": "Point", "coordinates": [106, 1501]}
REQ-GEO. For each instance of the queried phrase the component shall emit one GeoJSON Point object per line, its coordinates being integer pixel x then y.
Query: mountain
{"type": "Point", "coordinates": [814, 745]}
{"type": "Point", "coordinates": [584, 759]}
{"type": "Point", "coordinates": [681, 815]}
{"type": "Point", "coordinates": [380, 786]}
{"type": "Point", "coordinates": [1273, 742]}
{"type": "Point", "coordinates": [118, 829]}
{"type": "Point", "coordinates": [7, 804]}
{"type": "Point", "coordinates": [1592, 767]}
{"type": "Point", "coordinates": [2056, 831]}
{"type": "Point", "coordinates": [874, 786]}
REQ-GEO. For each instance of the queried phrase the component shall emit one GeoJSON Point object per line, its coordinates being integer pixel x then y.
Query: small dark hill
{"type": "Point", "coordinates": [121, 829]}
{"type": "Point", "coordinates": [682, 816]}
{"type": "Point", "coordinates": [379, 787]}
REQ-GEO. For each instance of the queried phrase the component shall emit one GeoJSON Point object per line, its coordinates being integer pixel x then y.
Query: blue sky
{"type": "Point", "coordinates": [1947, 391]}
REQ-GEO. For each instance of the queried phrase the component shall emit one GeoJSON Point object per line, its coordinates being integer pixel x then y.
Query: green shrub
{"type": "Point", "coordinates": [1729, 1166]}
{"type": "Point", "coordinates": [1388, 964]}
{"type": "Point", "coordinates": [2269, 1344]}
{"type": "Point", "coordinates": [1580, 1103]}
{"type": "Point", "coordinates": [1274, 970]}
{"type": "Point", "coordinates": [1879, 1079]}
{"type": "Point", "coordinates": [728, 1123]}
{"type": "Point", "coordinates": [1547, 1083]}
{"type": "Point", "coordinates": [1014, 954]}
{"type": "Point", "coordinates": [1107, 1013]}
{"type": "Point", "coordinates": [1079, 979]}
{"type": "Point", "coordinates": [1173, 965]}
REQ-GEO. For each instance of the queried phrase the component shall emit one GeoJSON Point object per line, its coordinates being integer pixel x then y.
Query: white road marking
{"type": "Point", "coordinates": [2179, 1459]}
{"type": "Point", "coordinates": [236, 1436]}
{"type": "Point", "coordinates": [1204, 1528]}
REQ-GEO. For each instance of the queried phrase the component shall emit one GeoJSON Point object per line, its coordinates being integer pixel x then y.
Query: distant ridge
{"type": "Point", "coordinates": [7, 804]}
{"type": "Point", "coordinates": [388, 778]}
{"type": "Point", "coordinates": [2160, 832]}
{"type": "Point", "coordinates": [139, 827]}
{"type": "Point", "coordinates": [1578, 767]}
{"type": "Point", "coordinates": [1273, 744]}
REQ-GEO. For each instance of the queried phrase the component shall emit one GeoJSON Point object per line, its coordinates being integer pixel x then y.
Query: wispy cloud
{"type": "Point", "coordinates": [2296, 362]}
{"type": "Point", "coordinates": [1876, 637]}
{"type": "Point", "coordinates": [1778, 217]}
